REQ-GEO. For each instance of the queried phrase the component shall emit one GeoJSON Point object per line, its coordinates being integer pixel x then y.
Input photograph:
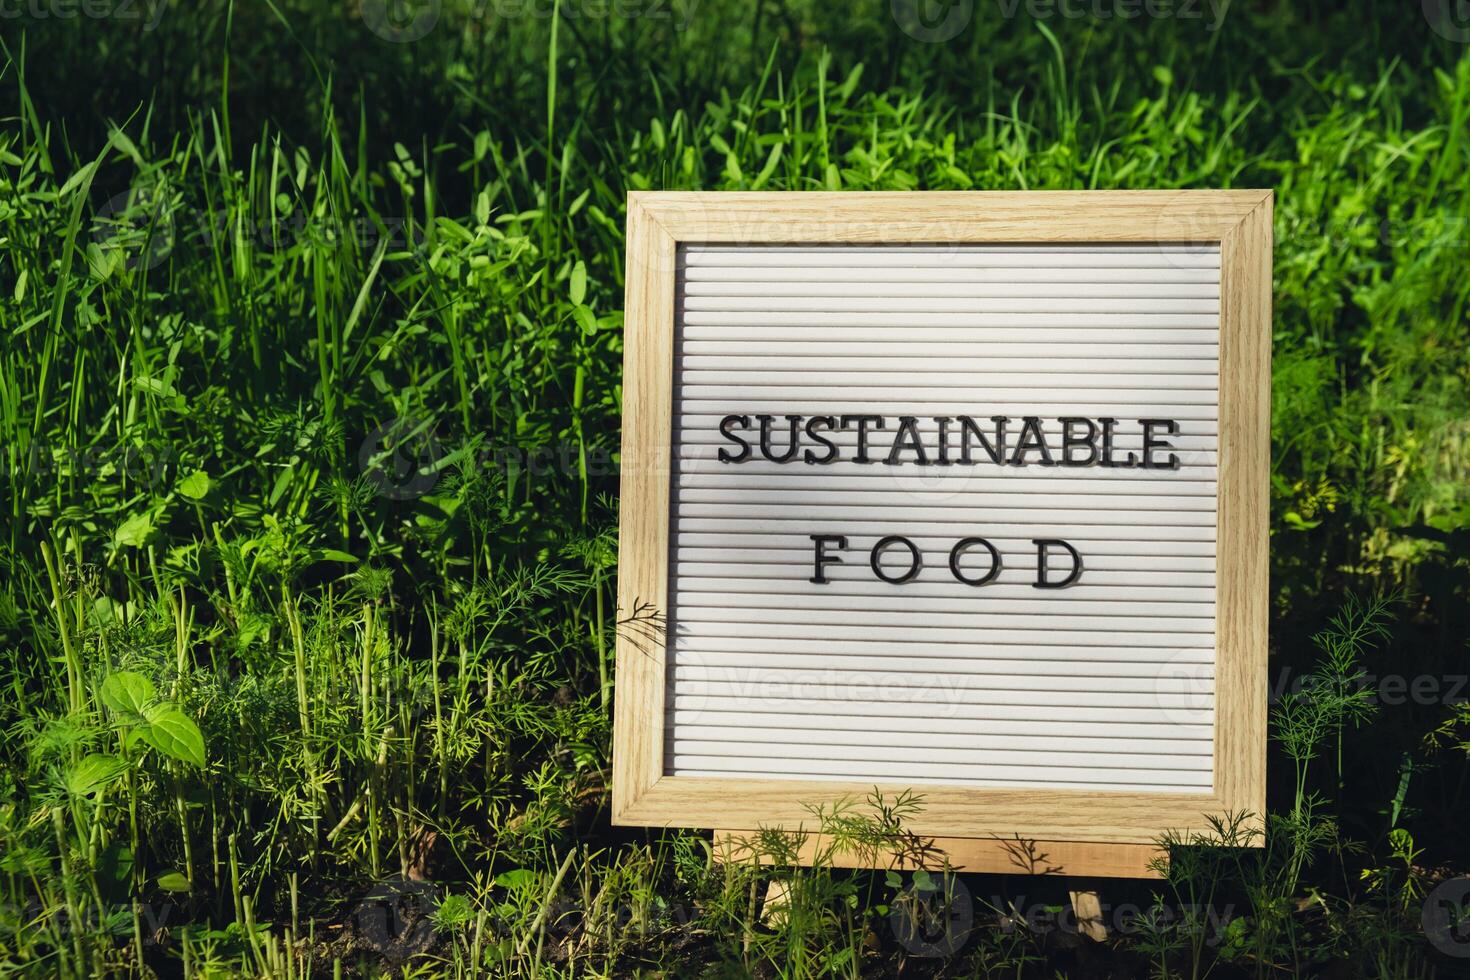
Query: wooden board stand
{"type": "Point", "coordinates": [1084, 859]}
{"type": "Point", "coordinates": [1088, 859]}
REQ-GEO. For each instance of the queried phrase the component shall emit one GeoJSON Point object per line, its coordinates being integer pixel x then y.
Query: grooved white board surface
{"type": "Point", "coordinates": [1106, 684]}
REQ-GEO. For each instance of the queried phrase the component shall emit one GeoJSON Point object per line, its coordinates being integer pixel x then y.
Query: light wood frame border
{"type": "Point", "coordinates": [658, 222]}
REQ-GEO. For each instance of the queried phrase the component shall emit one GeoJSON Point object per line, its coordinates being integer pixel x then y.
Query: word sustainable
{"type": "Point", "coordinates": [957, 440]}
{"type": "Point", "coordinates": [1084, 441]}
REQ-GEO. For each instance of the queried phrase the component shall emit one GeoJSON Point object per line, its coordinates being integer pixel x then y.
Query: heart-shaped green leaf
{"type": "Point", "coordinates": [196, 485]}
{"type": "Point", "coordinates": [115, 863]}
{"type": "Point", "coordinates": [127, 693]}
{"type": "Point", "coordinates": [174, 733]}
{"type": "Point", "coordinates": [134, 531]}
{"type": "Point", "coordinates": [173, 881]}
{"type": "Point", "coordinates": [517, 878]}
{"type": "Point", "coordinates": [93, 773]}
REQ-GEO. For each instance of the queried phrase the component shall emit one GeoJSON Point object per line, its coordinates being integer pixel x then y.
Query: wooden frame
{"type": "Point", "coordinates": [1240, 221]}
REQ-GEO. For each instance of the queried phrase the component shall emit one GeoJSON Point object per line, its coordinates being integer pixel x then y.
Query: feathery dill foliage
{"type": "Point", "coordinates": [309, 393]}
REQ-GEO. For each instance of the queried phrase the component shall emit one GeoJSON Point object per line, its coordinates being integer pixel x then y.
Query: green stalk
{"type": "Point", "coordinates": [604, 684]}
{"type": "Point", "coordinates": [68, 644]}
{"type": "Point", "coordinates": [308, 758]}
{"type": "Point", "coordinates": [547, 231]}
{"type": "Point", "coordinates": [68, 886]}
{"type": "Point", "coordinates": [235, 893]}
{"type": "Point", "coordinates": [365, 695]}
{"type": "Point", "coordinates": [182, 809]}
{"type": "Point", "coordinates": [440, 755]}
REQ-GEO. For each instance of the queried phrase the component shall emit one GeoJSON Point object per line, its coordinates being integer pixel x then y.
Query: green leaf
{"type": "Point", "coordinates": [516, 878]}
{"type": "Point", "coordinates": [770, 168]}
{"type": "Point", "coordinates": [93, 773]}
{"type": "Point", "coordinates": [579, 283]}
{"type": "Point", "coordinates": [586, 319]}
{"type": "Point", "coordinates": [127, 693]}
{"type": "Point", "coordinates": [1299, 523]}
{"type": "Point", "coordinates": [157, 386]}
{"type": "Point", "coordinates": [84, 175]}
{"type": "Point", "coordinates": [100, 261]}
{"type": "Point", "coordinates": [196, 485]}
{"type": "Point", "coordinates": [115, 863]}
{"type": "Point", "coordinates": [174, 733]}
{"type": "Point", "coordinates": [132, 737]}
{"type": "Point", "coordinates": [173, 881]}
{"type": "Point", "coordinates": [128, 148]}
{"type": "Point", "coordinates": [454, 910]}
{"type": "Point", "coordinates": [134, 531]}
{"type": "Point", "coordinates": [106, 610]}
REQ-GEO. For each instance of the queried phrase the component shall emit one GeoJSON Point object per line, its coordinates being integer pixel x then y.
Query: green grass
{"type": "Point", "coordinates": [309, 397]}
